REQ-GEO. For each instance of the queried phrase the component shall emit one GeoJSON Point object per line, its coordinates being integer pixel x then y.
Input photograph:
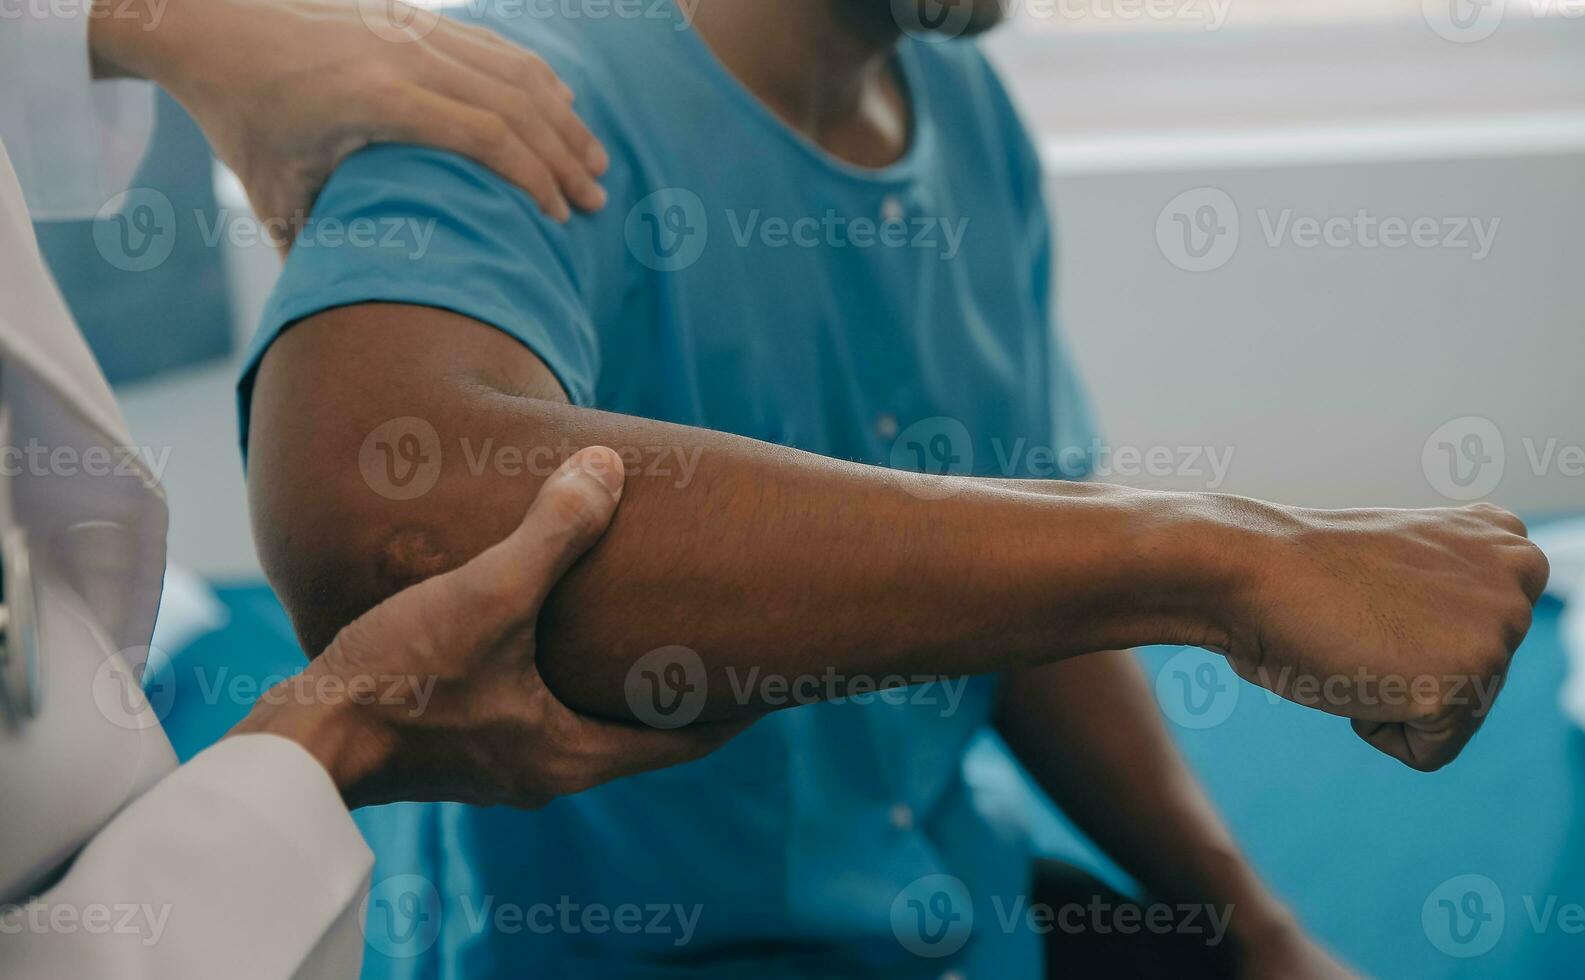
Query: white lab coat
{"type": "Point", "coordinates": [242, 863]}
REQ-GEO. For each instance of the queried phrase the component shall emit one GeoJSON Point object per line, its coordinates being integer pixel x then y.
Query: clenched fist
{"type": "Point", "coordinates": [1402, 620]}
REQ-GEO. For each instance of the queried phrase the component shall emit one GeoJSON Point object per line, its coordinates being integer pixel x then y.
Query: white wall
{"type": "Point", "coordinates": [1326, 370]}
{"type": "Point", "coordinates": [1330, 371]}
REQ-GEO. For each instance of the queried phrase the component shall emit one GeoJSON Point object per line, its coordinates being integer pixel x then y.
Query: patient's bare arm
{"type": "Point", "coordinates": [795, 564]}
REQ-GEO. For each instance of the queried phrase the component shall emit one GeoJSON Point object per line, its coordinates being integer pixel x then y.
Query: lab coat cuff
{"type": "Point", "coordinates": [288, 790]}
{"type": "Point", "coordinates": [82, 140]}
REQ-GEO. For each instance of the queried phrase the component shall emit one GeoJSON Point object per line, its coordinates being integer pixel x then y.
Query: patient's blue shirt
{"type": "Point", "coordinates": [744, 280]}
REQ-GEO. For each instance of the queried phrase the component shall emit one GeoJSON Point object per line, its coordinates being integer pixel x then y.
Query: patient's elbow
{"type": "Point", "coordinates": [331, 553]}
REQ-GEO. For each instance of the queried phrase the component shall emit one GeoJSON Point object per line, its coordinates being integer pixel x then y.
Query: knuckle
{"type": "Point", "coordinates": [519, 105]}
{"type": "Point", "coordinates": [531, 71]}
{"type": "Point", "coordinates": [1538, 568]}
{"type": "Point", "coordinates": [551, 775]}
{"type": "Point", "coordinates": [490, 134]}
{"type": "Point", "coordinates": [535, 178]}
{"type": "Point", "coordinates": [1429, 763]}
{"type": "Point", "coordinates": [387, 85]}
{"type": "Point", "coordinates": [1493, 659]}
{"type": "Point", "coordinates": [570, 776]}
{"type": "Point", "coordinates": [1426, 711]}
{"type": "Point", "coordinates": [1516, 626]}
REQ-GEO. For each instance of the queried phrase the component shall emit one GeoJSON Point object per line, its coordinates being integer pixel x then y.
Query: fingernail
{"type": "Point", "coordinates": [597, 159]}
{"type": "Point", "coordinates": [598, 197]}
{"type": "Point", "coordinates": [605, 466]}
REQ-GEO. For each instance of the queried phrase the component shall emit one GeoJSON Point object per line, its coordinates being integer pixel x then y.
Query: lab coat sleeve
{"type": "Point", "coordinates": [243, 863]}
{"type": "Point", "coordinates": [75, 143]}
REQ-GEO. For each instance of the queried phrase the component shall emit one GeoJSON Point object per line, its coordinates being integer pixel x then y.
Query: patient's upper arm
{"type": "Point", "coordinates": [373, 454]}
{"type": "Point", "coordinates": [371, 357]}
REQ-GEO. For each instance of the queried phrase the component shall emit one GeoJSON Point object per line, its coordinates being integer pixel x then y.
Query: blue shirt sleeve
{"type": "Point", "coordinates": [1073, 430]}
{"type": "Point", "coordinates": [400, 224]}
{"type": "Point", "coordinates": [1072, 425]}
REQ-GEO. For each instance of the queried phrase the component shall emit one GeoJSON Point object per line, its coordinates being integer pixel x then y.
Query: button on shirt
{"type": "Point", "coordinates": [740, 279]}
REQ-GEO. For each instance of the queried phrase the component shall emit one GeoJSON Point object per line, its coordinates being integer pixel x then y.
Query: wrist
{"type": "Point", "coordinates": [130, 38]}
{"type": "Point", "coordinates": [331, 727]}
{"type": "Point", "coordinates": [1195, 560]}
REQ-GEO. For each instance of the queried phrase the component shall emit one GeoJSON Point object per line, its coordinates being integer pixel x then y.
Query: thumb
{"type": "Point", "coordinates": [504, 586]}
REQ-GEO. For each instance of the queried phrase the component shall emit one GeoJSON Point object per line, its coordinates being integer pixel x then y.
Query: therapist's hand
{"type": "Point", "coordinates": [434, 693]}
{"type": "Point", "coordinates": [285, 89]}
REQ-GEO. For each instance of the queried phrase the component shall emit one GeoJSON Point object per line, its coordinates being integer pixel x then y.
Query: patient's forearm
{"type": "Point", "coordinates": [757, 557]}
{"type": "Point", "coordinates": [785, 565]}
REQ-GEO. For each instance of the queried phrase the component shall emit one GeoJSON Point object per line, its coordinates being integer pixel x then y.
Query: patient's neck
{"type": "Point", "coordinates": [822, 66]}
